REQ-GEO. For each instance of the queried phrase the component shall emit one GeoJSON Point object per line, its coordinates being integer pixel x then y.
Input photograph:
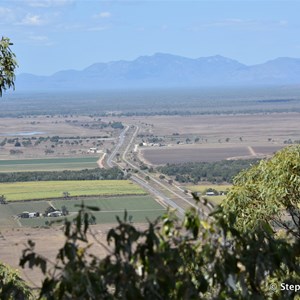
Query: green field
{"type": "Point", "coordinates": [49, 164]}
{"type": "Point", "coordinates": [139, 208]}
{"type": "Point", "coordinates": [8, 211]}
{"type": "Point", "coordinates": [201, 189]}
{"type": "Point", "coordinates": [54, 189]}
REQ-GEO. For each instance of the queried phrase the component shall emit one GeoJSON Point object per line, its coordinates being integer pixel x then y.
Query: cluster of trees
{"type": "Point", "coordinates": [14, 151]}
{"type": "Point", "coordinates": [3, 199]}
{"type": "Point", "coordinates": [27, 142]}
{"type": "Point", "coordinates": [86, 174]}
{"type": "Point", "coordinates": [215, 172]}
{"type": "Point", "coordinates": [290, 141]}
{"type": "Point", "coordinates": [116, 125]}
{"type": "Point", "coordinates": [102, 125]}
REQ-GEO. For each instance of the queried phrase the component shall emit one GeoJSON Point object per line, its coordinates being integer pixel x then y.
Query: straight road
{"type": "Point", "coordinates": [121, 140]}
{"type": "Point", "coordinates": [170, 195]}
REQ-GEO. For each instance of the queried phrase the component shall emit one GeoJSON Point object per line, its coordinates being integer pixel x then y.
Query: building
{"type": "Point", "coordinates": [56, 213]}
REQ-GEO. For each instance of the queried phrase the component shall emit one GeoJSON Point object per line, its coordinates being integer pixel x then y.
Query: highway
{"type": "Point", "coordinates": [121, 140]}
{"type": "Point", "coordinates": [170, 195]}
{"type": "Point", "coordinates": [165, 200]}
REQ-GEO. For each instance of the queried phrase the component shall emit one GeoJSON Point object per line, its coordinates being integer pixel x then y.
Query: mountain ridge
{"type": "Point", "coordinates": [167, 70]}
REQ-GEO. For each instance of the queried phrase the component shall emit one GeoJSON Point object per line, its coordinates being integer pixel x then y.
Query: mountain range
{"type": "Point", "coordinates": [165, 71]}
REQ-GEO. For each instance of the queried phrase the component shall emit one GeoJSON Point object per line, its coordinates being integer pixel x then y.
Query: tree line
{"type": "Point", "coordinates": [85, 174]}
{"type": "Point", "coordinates": [215, 172]}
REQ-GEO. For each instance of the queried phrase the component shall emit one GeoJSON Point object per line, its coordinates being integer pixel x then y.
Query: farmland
{"type": "Point", "coordinates": [207, 138]}
{"type": "Point", "coordinates": [56, 135]}
{"type": "Point", "coordinates": [202, 188]}
{"type": "Point", "coordinates": [9, 211]}
{"type": "Point", "coordinates": [252, 128]}
{"type": "Point", "coordinates": [55, 189]}
{"type": "Point", "coordinates": [266, 149]}
{"type": "Point", "coordinates": [203, 153]}
{"type": "Point", "coordinates": [15, 232]}
{"type": "Point", "coordinates": [50, 164]}
{"type": "Point", "coordinates": [139, 208]}
{"type": "Point", "coordinates": [192, 154]}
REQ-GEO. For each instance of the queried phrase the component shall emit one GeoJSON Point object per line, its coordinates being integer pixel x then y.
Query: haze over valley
{"type": "Point", "coordinates": [167, 71]}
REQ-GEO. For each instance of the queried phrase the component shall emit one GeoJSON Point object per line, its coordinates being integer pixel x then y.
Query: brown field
{"type": "Point", "coordinates": [50, 126]}
{"type": "Point", "coordinates": [48, 241]}
{"type": "Point", "coordinates": [266, 150]}
{"type": "Point", "coordinates": [260, 131]}
{"type": "Point", "coordinates": [252, 128]}
{"type": "Point", "coordinates": [218, 136]}
{"type": "Point", "coordinates": [203, 153]}
{"type": "Point", "coordinates": [196, 154]}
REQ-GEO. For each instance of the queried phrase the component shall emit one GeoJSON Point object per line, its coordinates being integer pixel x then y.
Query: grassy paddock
{"type": "Point", "coordinates": [106, 204]}
{"type": "Point", "coordinates": [140, 208]}
{"type": "Point", "coordinates": [9, 211]}
{"type": "Point", "coordinates": [49, 164]}
{"type": "Point", "coordinates": [54, 189]}
{"type": "Point", "coordinates": [201, 189]}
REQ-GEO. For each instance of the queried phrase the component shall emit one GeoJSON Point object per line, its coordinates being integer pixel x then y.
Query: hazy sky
{"type": "Point", "coordinates": [52, 35]}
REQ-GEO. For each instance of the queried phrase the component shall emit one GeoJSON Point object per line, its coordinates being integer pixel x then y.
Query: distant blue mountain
{"type": "Point", "coordinates": [166, 70]}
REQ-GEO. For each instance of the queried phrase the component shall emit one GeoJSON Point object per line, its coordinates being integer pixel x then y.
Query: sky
{"type": "Point", "coordinates": [54, 35]}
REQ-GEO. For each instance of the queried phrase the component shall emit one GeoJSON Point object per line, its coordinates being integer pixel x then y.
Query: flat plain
{"type": "Point", "coordinates": [215, 137]}
{"type": "Point", "coordinates": [140, 208]}
{"type": "Point", "coordinates": [223, 125]}
{"type": "Point", "coordinates": [45, 136]}
{"type": "Point", "coordinates": [50, 164]}
{"type": "Point", "coordinates": [258, 127]}
{"type": "Point", "coordinates": [45, 125]}
{"type": "Point", "coordinates": [48, 241]}
{"type": "Point", "coordinates": [15, 191]}
{"type": "Point", "coordinates": [184, 154]}
{"type": "Point", "coordinates": [204, 153]}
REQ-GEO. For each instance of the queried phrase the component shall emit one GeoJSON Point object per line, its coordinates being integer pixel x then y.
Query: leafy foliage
{"type": "Point", "coordinates": [269, 192]}
{"type": "Point", "coordinates": [12, 287]}
{"type": "Point", "coordinates": [7, 65]}
{"type": "Point", "coordinates": [193, 258]}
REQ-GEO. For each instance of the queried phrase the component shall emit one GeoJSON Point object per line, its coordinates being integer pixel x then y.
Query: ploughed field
{"type": "Point", "coordinates": [203, 153]}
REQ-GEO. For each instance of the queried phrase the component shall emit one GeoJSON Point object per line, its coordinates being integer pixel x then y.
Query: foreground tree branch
{"type": "Point", "coordinates": [8, 65]}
